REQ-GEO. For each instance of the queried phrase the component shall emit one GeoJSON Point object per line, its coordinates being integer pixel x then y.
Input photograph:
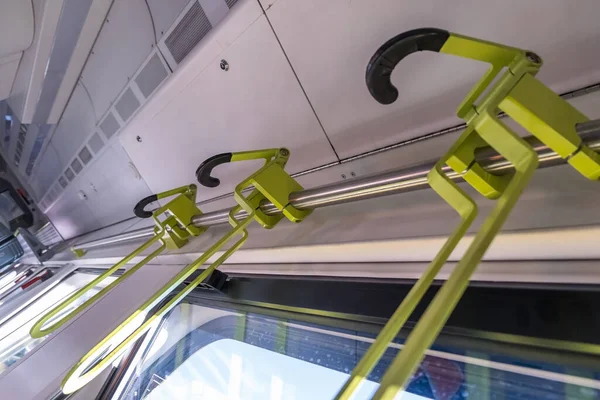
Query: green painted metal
{"type": "Point", "coordinates": [274, 186]}
{"type": "Point", "coordinates": [181, 210]}
{"type": "Point", "coordinates": [271, 183]}
{"type": "Point", "coordinates": [540, 111]}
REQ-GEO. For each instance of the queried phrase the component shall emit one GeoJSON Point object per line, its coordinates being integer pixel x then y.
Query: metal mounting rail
{"type": "Point", "coordinates": [387, 183]}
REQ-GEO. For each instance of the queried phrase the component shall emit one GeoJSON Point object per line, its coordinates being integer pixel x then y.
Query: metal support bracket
{"type": "Point", "coordinates": [531, 104]}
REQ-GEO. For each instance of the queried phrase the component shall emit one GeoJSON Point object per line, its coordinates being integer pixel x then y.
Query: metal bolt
{"type": "Point", "coordinates": [352, 173]}
{"type": "Point", "coordinates": [534, 58]}
{"type": "Point", "coordinates": [139, 139]}
{"type": "Point", "coordinates": [343, 176]}
{"type": "Point", "coordinates": [284, 152]}
{"type": "Point", "coordinates": [224, 65]}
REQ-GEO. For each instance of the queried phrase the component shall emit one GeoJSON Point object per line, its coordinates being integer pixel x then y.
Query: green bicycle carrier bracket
{"type": "Point", "coordinates": [172, 232]}
{"type": "Point", "coordinates": [271, 182]}
{"type": "Point", "coordinates": [526, 100]}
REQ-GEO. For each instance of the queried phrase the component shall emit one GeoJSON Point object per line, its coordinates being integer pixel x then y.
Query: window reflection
{"type": "Point", "coordinates": [15, 341]}
{"type": "Point", "coordinates": [208, 353]}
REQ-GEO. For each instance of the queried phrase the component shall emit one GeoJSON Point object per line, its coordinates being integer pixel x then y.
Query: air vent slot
{"type": "Point", "coordinates": [188, 32]}
{"type": "Point", "coordinates": [230, 3]}
{"type": "Point", "coordinates": [76, 166]}
{"type": "Point", "coordinates": [69, 174]}
{"type": "Point", "coordinates": [110, 125]}
{"type": "Point", "coordinates": [20, 141]}
{"type": "Point", "coordinates": [127, 104]}
{"type": "Point", "coordinates": [63, 182]}
{"type": "Point", "coordinates": [96, 143]}
{"type": "Point", "coordinates": [37, 147]}
{"type": "Point", "coordinates": [151, 76]}
{"type": "Point", "coordinates": [85, 155]}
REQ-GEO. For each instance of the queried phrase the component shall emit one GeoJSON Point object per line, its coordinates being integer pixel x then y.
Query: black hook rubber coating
{"type": "Point", "coordinates": [386, 58]}
{"type": "Point", "coordinates": [139, 211]}
{"type": "Point", "coordinates": [205, 169]}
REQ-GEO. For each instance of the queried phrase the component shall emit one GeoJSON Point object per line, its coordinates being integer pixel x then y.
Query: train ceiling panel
{"type": "Point", "coordinates": [329, 45]}
{"type": "Point", "coordinates": [47, 173]}
{"type": "Point", "coordinates": [124, 42]}
{"type": "Point", "coordinates": [16, 31]}
{"type": "Point", "coordinates": [164, 14]}
{"type": "Point", "coordinates": [77, 122]}
{"type": "Point", "coordinates": [254, 101]}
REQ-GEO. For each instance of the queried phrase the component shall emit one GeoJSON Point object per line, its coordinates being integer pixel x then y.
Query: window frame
{"type": "Point", "coordinates": [281, 297]}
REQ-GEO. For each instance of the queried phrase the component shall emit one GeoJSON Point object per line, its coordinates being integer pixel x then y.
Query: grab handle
{"type": "Point", "coordinates": [393, 51]}
{"type": "Point", "coordinates": [139, 211]}
{"type": "Point", "coordinates": [204, 171]}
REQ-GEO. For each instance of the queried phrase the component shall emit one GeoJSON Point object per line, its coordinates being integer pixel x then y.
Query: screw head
{"type": "Point", "coordinates": [139, 139]}
{"type": "Point", "coordinates": [224, 65]}
{"type": "Point", "coordinates": [343, 176]}
{"type": "Point", "coordinates": [534, 58]}
{"type": "Point", "coordinates": [352, 173]}
{"type": "Point", "coordinates": [284, 152]}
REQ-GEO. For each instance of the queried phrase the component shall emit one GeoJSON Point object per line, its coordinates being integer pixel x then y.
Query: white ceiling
{"type": "Point", "coordinates": [122, 45]}
{"type": "Point", "coordinates": [256, 104]}
{"type": "Point", "coordinates": [296, 79]}
{"type": "Point", "coordinates": [330, 42]}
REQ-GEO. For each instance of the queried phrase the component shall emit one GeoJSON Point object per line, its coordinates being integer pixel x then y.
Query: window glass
{"type": "Point", "coordinates": [202, 352]}
{"type": "Point", "coordinates": [9, 209]}
{"type": "Point", "coordinates": [15, 341]}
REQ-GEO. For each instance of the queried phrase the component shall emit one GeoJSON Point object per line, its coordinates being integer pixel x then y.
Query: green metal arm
{"type": "Point", "coordinates": [272, 183]}
{"type": "Point", "coordinates": [81, 373]}
{"type": "Point", "coordinates": [181, 209]}
{"type": "Point", "coordinates": [524, 99]}
{"type": "Point", "coordinates": [268, 185]}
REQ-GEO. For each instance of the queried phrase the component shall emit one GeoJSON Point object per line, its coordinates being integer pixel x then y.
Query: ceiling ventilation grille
{"type": "Point", "coordinates": [230, 3]}
{"type": "Point", "coordinates": [151, 75]}
{"type": "Point", "coordinates": [110, 125]}
{"type": "Point", "coordinates": [37, 147]}
{"type": "Point", "coordinates": [188, 32]}
{"type": "Point", "coordinates": [96, 143]}
{"type": "Point", "coordinates": [85, 155]}
{"type": "Point", "coordinates": [127, 104]}
{"type": "Point", "coordinates": [20, 143]}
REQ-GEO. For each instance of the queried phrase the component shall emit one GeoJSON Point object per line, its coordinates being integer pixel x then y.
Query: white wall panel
{"type": "Point", "coordinates": [329, 45]}
{"type": "Point", "coordinates": [111, 191]}
{"type": "Point", "coordinates": [256, 104]}
{"type": "Point", "coordinates": [123, 44]}
{"type": "Point", "coordinates": [71, 215]}
{"type": "Point", "coordinates": [77, 122]}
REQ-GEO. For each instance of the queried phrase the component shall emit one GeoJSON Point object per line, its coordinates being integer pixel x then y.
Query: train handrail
{"type": "Point", "coordinates": [271, 182]}
{"type": "Point", "coordinates": [523, 98]}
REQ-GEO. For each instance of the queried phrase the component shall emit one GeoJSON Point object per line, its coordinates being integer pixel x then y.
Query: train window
{"type": "Point", "coordinates": [211, 352]}
{"type": "Point", "coordinates": [15, 341]}
{"type": "Point", "coordinates": [20, 279]}
{"type": "Point", "coordinates": [9, 209]}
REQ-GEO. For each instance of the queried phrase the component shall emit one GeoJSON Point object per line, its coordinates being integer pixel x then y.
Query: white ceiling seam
{"type": "Point", "coordinates": [73, 16]}
{"type": "Point", "coordinates": [136, 96]}
{"type": "Point", "coordinates": [131, 88]}
{"type": "Point", "coordinates": [30, 75]}
{"type": "Point", "coordinates": [256, 103]}
{"type": "Point", "coordinates": [344, 35]}
{"type": "Point", "coordinates": [87, 37]}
